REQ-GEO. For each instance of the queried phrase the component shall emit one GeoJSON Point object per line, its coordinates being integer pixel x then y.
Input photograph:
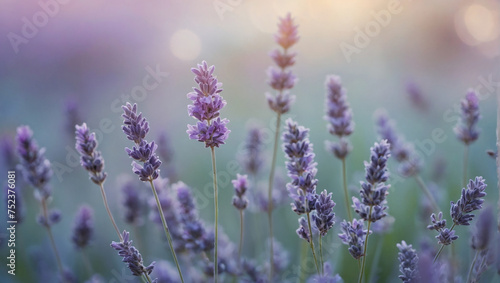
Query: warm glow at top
{"type": "Point", "coordinates": [185, 44]}
{"type": "Point", "coordinates": [476, 24]}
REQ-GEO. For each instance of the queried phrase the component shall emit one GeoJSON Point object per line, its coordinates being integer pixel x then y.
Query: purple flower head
{"type": "Point", "coordinates": [437, 223]}
{"type": "Point", "coordinates": [212, 134]}
{"type": "Point", "coordinates": [283, 60]}
{"type": "Point", "coordinates": [281, 80]}
{"type": "Point", "coordinates": [324, 217]}
{"type": "Point", "coordinates": [408, 262]}
{"type": "Point", "coordinates": [416, 97]}
{"type": "Point", "coordinates": [34, 167]}
{"type": "Point", "coordinates": [207, 103]}
{"type": "Point", "coordinates": [165, 272]}
{"type": "Point", "coordinates": [84, 227]}
{"type": "Point", "coordinates": [133, 203]}
{"type": "Point", "coordinates": [338, 112]}
{"type": "Point", "coordinates": [376, 169]}
{"type": "Point", "coordinates": [483, 231]}
{"type": "Point", "coordinates": [353, 235]}
{"type": "Point", "coordinates": [281, 102]}
{"type": "Point", "coordinates": [90, 158]}
{"type": "Point", "coordinates": [470, 200]}
{"type": "Point", "coordinates": [446, 236]}
{"type": "Point", "coordinates": [326, 277]}
{"type": "Point", "coordinates": [378, 211]}
{"type": "Point", "coordinates": [131, 256]}
{"type": "Point", "coordinates": [340, 149]}
{"type": "Point", "coordinates": [240, 187]}
{"type": "Point", "coordinates": [287, 32]}
{"type": "Point", "coordinates": [53, 217]}
{"type": "Point", "coordinates": [252, 159]}
{"type": "Point", "coordinates": [136, 127]}
{"type": "Point", "coordinates": [303, 230]}
{"type": "Point", "coordinates": [466, 128]}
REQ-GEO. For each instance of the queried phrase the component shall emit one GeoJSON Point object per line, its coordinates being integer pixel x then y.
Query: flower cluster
{"type": "Point", "coordinates": [408, 262]}
{"type": "Point", "coordinates": [373, 192]}
{"type": "Point", "coordinates": [280, 79]}
{"type": "Point", "coordinates": [410, 163]}
{"type": "Point", "coordinates": [240, 187]}
{"type": "Point", "coordinates": [339, 117]}
{"type": "Point", "coordinates": [252, 159]}
{"type": "Point", "coordinates": [84, 227]}
{"type": "Point", "coordinates": [35, 168]}
{"type": "Point", "coordinates": [326, 277]}
{"type": "Point", "coordinates": [301, 167]}
{"type": "Point", "coordinates": [136, 127]}
{"type": "Point", "coordinates": [207, 103]}
{"type": "Point", "coordinates": [466, 128]}
{"type": "Point", "coordinates": [133, 203]}
{"type": "Point", "coordinates": [324, 216]}
{"type": "Point", "coordinates": [131, 256]}
{"type": "Point", "coordinates": [90, 158]}
{"type": "Point", "coordinates": [353, 235]}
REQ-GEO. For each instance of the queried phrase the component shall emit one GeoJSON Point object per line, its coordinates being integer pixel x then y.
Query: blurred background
{"type": "Point", "coordinates": [74, 61]}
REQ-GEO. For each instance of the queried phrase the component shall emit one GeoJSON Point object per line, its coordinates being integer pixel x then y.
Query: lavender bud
{"type": "Point", "coordinates": [303, 230]}
{"type": "Point", "coordinates": [165, 273]}
{"type": "Point", "coordinates": [252, 159]}
{"type": "Point", "coordinates": [240, 187]}
{"type": "Point", "coordinates": [90, 158]}
{"type": "Point", "coordinates": [469, 201]}
{"type": "Point", "coordinates": [133, 203]}
{"type": "Point", "coordinates": [338, 112]}
{"type": "Point", "coordinates": [466, 128]}
{"type": "Point", "coordinates": [437, 223]}
{"type": "Point", "coordinates": [416, 97]}
{"type": "Point", "coordinates": [353, 235]}
{"type": "Point", "coordinates": [408, 263]}
{"type": "Point", "coordinates": [287, 32]}
{"type": "Point", "coordinates": [131, 256]}
{"type": "Point", "coordinates": [84, 227]}
{"type": "Point", "coordinates": [326, 277]}
{"type": "Point", "coordinates": [446, 236]}
{"type": "Point", "coordinates": [324, 217]}
{"type": "Point", "coordinates": [212, 135]}
{"type": "Point", "coordinates": [135, 126]}
{"type": "Point", "coordinates": [483, 230]}
{"type": "Point", "coordinates": [281, 102]}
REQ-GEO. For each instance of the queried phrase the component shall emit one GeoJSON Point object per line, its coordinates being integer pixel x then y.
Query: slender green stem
{"type": "Point", "coordinates": [105, 200]}
{"type": "Point", "coordinates": [51, 237]}
{"type": "Point", "coordinates": [86, 262]}
{"type": "Point", "coordinates": [321, 256]}
{"type": "Point", "coordinates": [270, 196]}
{"type": "Point", "coordinates": [241, 237]}
{"type": "Point", "coordinates": [376, 257]}
{"type": "Point", "coordinates": [346, 193]}
{"type": "Point", "coordinates": [442, 246]}
{"type": "Point", "coordinates": [472, 266]}
{"type": "Point", "coordinates": [216, 196]}
{"type": "Point", "coordinates": [167, 233]}
{"type": "Point", "coordinates": [311, 242]}
{"type": "Point", "coordinates": [148, 279]}
{"type": "Point", "coordinates": [303, 258]}
{"type": "Point", "coordinates": [365, 248]}
{"type": "Point", "coordinates": [466, 158]}
{"type": "Point", "coordinates": [427, 193]}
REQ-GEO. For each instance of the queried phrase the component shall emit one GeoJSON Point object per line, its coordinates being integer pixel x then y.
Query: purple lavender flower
{"type": "Point", "coordinates": [326, 277]}
{"type": "Point", "coordinates": [466, 128]}
{"type": "Point", "coordinates": [84, 227]}
{"type": "Point", "coordinates": [53, 217]}
{"type": "Point", "coordinates": [280, 79]}
{"type": "Point", "coordinates": [353, 235]}
{"type": "Point", "coordinates": [483, 231]}
{"type": "Point", "coordinates": [445, 236]}
{"type": "Point", "coordinates": [34, 167]}
{"type": "Point", "coordinates": [252, 159]}
{"type": "Point", "coordinates": [240, 187]}
{"type": "Point", "coordinates": [303, 230]}
{"type": "Point", "coordinates": [90, 158]}
{"type": "Point", "coordinates": [165, 273]}
{"type": "Point", "coordinates": [301, 167]}
{"type": "Point", "coordinates": [324, 217]}
{"type": "Point", "coordinates": [207, 103]}
{"type": "Point", "coordinates": [133, 203]}
{"type": "Point", "coordinates": [408, 262]}
{"type": "Point", "coordinates": [374, 191]}
{"type": "Point", "coordinates": [136, 127]}
{"type": "Point", "coordinates": [469, 201]}
{"type": "Point", "coordinates": [410, 163]}
{"type": "Point", "coordinates": [131, 256]}
{"type": "Point", "coordinates": [416, 97]}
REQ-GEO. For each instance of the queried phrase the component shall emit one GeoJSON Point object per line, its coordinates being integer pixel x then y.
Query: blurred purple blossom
{"type": "Point", "coordinates": [326, 277]}
{"type": "Point", "coordinates": [251, 159]}
{"type": "Point", "coordinates": [408, 262]}
{"type": "Point", "coordinates": [131, 256]}
{"type": "Point", "coordinates": [416, 96]}
{"type": "Point", "coordinates": [84, 227]}
{"type": "Point", "coordinates": [240, 185]}
{"type": "Point", "coordinates": [90, 158]}
{"type": "Point", "coordinates": [466, 128]}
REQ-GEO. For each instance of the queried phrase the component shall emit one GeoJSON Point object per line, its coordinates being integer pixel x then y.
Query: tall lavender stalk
{"type": "Point", "coordinates": [302, 170]}
{"type": "Point", "coordinates": [36, 170]}
{"type": "Point", "coordinates": [210, 128]}
{"type": "Point", "coordinates": [373, 192]}
{"type": "Point", "coordinates": [339, 116]}
{"type": "Point", "coordinates": [408, 263]}
{"type": "Point", "coordinates": [281, 81]}
{"type": "Point", "coordinates": [240, 202]}
{"type": "Point", "coordinates": [136, 127]}
{"type": "Point", "coordinates": [466, 128]}
{"type": "Point", "coordinates": [83, 232]}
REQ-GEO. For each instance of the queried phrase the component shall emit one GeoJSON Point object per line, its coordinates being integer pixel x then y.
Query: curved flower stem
{"type": "Point", "coordinates": [472, 266]}
{"type": "Point", "coordinates": [321, 256]}
{"type": "Point", "coordinates": [311, 242]}
{"type": "Point", "coordinates": [365, 248]}
{"type": "Point", "coordinates": [241, 237]}
{"type": "Point", "coordinates": [427, 193]}
{"type": "Point", "coordinates": [346, 193]}
{"type": "Point", "coordinates": [167, 233]}
{"type": "Point", "coordinates": [442, 246]}
{"type": "Point", "coordinates": [466, 158]}
{"type": "Point", "coordinates": [51, 237]}
{"type": "Point", "coordinates": [105, 200]}
{"type": "Point", "coordinates": [216, 196]}
{"type": "Point", "coordinates": [270, 196]}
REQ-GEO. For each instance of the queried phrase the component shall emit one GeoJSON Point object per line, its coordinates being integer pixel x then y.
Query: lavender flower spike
{"type": "Point", "coordinates": [90, 158]}
{"type": "Point", "coordinates": [324, 217]}
{"type": "Point", "coordinates": [84, 227]}
{"type": "Point", "coordinates": [353, 235]}
{"type": "Point", "coordinates": [252, 159]}
{"type": "Point", "coordinates": [466, 129]}
{"type": "Point", "coordinates": [240, 187]}
{"type": "Point", "coordinates": [469, 201]}
{"type": "Point", "coordinates": [408, 263]}
{"type": "Point", "coordinates": [326, 277]}
{"type": "Point", "coordinates": [131, 256]}
{"type": "Point", "coordinates": [207, 103]}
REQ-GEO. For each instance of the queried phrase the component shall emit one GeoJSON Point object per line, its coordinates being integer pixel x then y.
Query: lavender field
{"type": "Point", "coordinates": [250, 141]}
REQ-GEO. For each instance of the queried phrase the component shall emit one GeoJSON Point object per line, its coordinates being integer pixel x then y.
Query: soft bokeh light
{"type": "Point", "coordinates": [185, 45]}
